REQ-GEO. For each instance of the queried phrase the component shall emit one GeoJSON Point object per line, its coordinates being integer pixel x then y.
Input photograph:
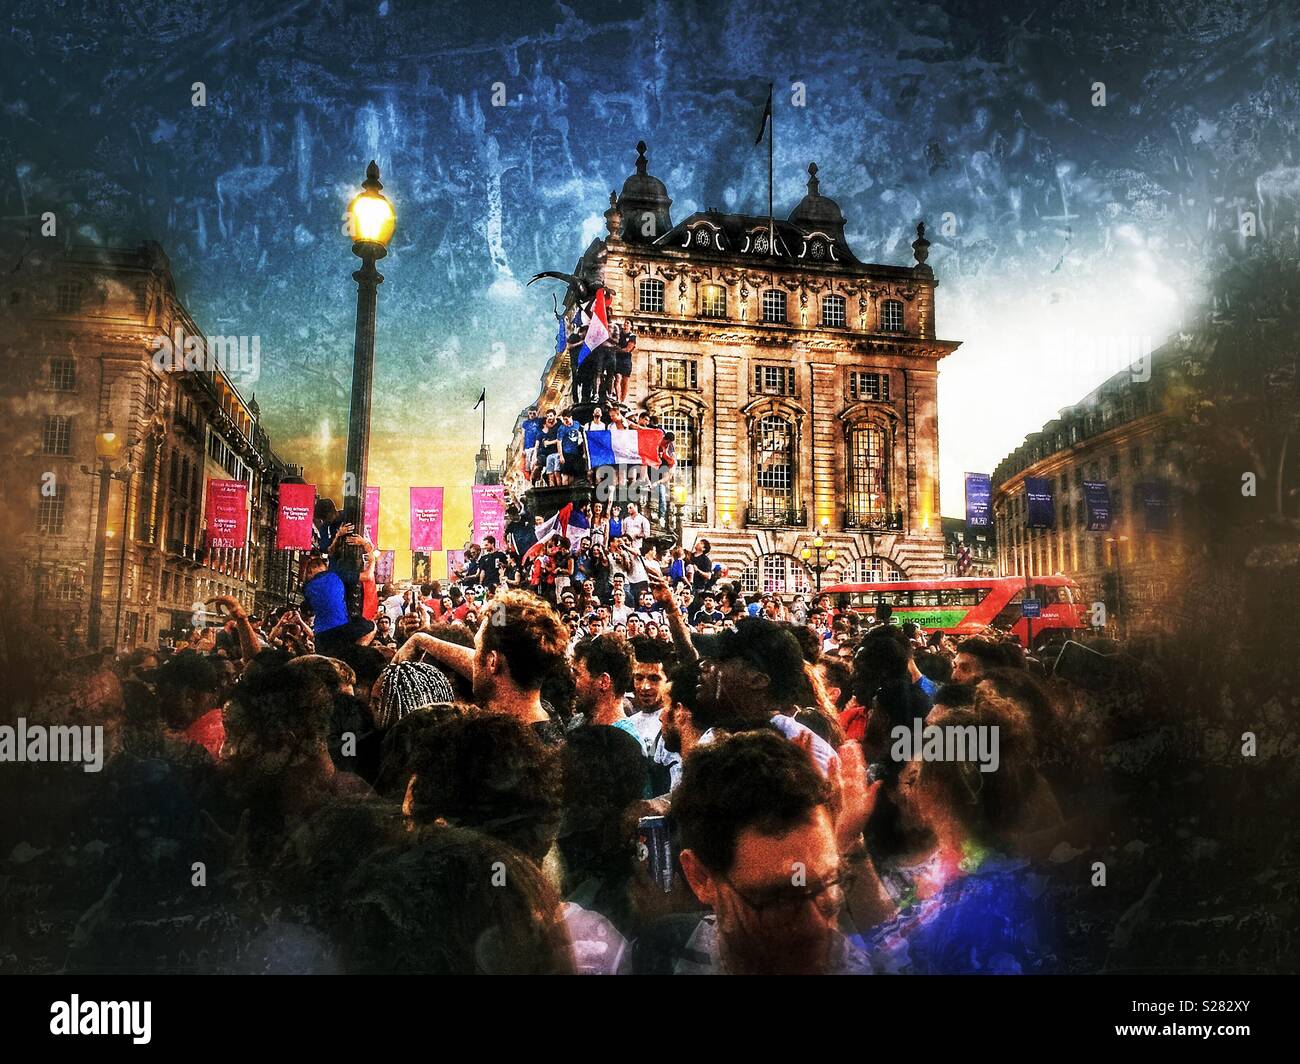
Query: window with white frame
{"type": "Point", "coordinates": [876, 570]}
{"type": "Point", "coordinates": [891, 315]}
{"type": "Point", "coordinates": [774, 306]}
{"type": "Point", "coordinates": [650, 295]}
{"type": "Point", "coordinates": [834, 313]}
{"type": "Point", "coordinates": [783, 574]}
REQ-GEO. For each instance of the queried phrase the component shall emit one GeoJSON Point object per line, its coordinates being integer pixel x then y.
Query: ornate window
{"type": "Point", "coordinates": [682, 425]}
{"type": "Point", "coordinates": [650, 295]}
{"type": "Point", "coordinates": [773, 498]}
{"type": "Point", "coordinates": [868, 470]}
{"type": "Point", "coordinates": [774, 306]}
{"type": "Point", "coordinates": [834, 313]}
{"type": "Point", "coordinates": [749, 580]}
{"type": "Point", "coordinates": [713, 301]}
{"type": "Point", "coordinates": [891, 315]}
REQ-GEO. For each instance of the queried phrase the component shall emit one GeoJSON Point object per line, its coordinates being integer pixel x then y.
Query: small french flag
{"type": "Point", "coordinates": [597, 327]}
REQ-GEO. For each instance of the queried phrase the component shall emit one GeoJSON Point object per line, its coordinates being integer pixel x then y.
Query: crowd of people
{"type": "Point", "coordinates": [619, 762]}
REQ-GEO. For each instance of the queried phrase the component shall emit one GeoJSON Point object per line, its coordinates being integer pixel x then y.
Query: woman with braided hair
{"type": "Point", "coordinates": [405, 686]}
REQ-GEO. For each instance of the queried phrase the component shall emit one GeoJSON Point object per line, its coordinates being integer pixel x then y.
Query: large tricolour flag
{"type": "Point", "coordinates": [597, 327]}
{"type": "Point", "coordinates": [623, 447]}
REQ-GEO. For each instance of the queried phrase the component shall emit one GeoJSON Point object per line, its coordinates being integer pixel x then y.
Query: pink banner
{"type": "Point", "coordinates": [455, 560]}
{"type": "Point", "coordinates": [489, 512]}
{"type": "Point", "coordinates": [384, 567]}
{"type": "Point", "coordinates": [293, 526]}
{"type": "Point", "coordinates": [426, 519]}
{"type": "Point", "coordinates": [227, 519]}
{"type": "Point", "coordinates": [370, 522]}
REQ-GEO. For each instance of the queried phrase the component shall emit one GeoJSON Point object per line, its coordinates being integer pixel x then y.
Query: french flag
{"type": "Point", "coordinates": [607, 447]}
{"type": "Point", "coordinates": [597, 326]}
{"type": "Point", "coordinates": [566, 521]}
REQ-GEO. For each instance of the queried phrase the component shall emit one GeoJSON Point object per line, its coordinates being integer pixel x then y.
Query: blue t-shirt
{"type": "Point", "coordinates": [571, 440]}
{"type": "Point", "coordinates": [324, 593]}
{"type": "Point", "coordinates": [532, 430]}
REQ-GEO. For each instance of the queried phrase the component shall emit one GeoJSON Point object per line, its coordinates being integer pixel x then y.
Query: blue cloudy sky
{"type": "Point", "coordinates": [1076, 233]}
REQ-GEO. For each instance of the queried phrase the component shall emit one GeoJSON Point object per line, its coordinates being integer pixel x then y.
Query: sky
{"type": "Point", "coordinates": [1077, 166]}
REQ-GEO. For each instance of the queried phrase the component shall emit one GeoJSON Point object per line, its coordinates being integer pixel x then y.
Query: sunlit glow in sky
{"type": "Point", "coordinates": [1076, 231]}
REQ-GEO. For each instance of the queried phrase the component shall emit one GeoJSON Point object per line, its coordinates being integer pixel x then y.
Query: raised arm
{"type": "Point", "coordinates": [249, 644]}
{"type": "Point", "coordinates": [439, 651]}
{"type": "Point", "coordinates": [676, 622]}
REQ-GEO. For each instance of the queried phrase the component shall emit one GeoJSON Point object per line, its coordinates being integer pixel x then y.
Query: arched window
{"type": "Point", "coordinates": [650, 295]}
{"type": "Point", "coordinates": [772, 495]}
{"type": "Point", "coordinates": [783, 574]}
{"type": "Point", "coordinates": [682, 425]}
{"type": "Point", "coordinates": [891, 316]}
{"type": "Point", "coordinates": [833, 311]}
{"type": "Point", "coordinates": [876, 570]}
{"type": "Point", "coordinates": [868, 476]}
{"type": "Point", "coordinates": [774, 306]}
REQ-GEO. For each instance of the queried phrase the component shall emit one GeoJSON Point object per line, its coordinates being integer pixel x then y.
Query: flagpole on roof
{"type": "Point", "coordinates": [771, 134]}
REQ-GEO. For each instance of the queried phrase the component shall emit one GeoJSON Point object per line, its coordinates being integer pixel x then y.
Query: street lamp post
{"type": "Point", "coordinates": [370, 224]}
{"type": "Point", "coordinates": [818, 566]}
{"type": "Point", "coordinates": [679, 498]}
{"type": "Point", "coordinates": [108, 446]}
{"type": "Point", "coordinates": [125, 476]}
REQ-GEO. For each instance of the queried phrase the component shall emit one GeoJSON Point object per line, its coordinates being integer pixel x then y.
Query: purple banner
{"type": "Point", "coordinates": [489, 502]}
{"type": "Point", "coordinates": [1096, 494]}
{"type": "Point", "coordinates": [426, 519]}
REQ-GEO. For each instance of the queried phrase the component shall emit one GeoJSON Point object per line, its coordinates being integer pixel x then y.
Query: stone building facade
{"type": "Point", "coordinates": [801, 384]}
{"type": "Point", "coordinates": [85, 325]}
{"type": "Point", "coordinates": [1119, 434]}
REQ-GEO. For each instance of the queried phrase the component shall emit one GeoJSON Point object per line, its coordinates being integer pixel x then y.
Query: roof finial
{"type": "Point", "coordinates": [372, 177]}
{"type": "Point", "coordinates": [812, 179]}
{"type": "Point", "coordinates": [640, 157]}
{"type": "Point", "coordinates": [920, 246]}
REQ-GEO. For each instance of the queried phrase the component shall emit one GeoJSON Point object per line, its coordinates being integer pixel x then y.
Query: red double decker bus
{"type": "Point", "coordinates": [966, 605]}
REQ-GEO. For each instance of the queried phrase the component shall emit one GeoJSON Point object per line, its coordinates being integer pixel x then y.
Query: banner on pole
{"type": "Point", "coordinates": [1039, 509]}
{"type": "Point", "coordinates": [293, 523]}
{"type": "Point", "coordinates": [1096, 494]}
{"type": "Point", "coordinates": [489, 503]}
{"type": "Point", "coordinates": [370, 522]}
{"type": "Point", "coordinates": [227, 513]}
{"type": "Point", "coordinates": [426, 519]}
{"type": "Point", "coordinates": [1156, 505]}
{"type": "Point", "coordinates": [979, 487]}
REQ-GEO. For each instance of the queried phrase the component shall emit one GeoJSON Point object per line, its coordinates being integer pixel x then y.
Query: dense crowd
{"type": "Point", "coordinates": [628, 765]}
